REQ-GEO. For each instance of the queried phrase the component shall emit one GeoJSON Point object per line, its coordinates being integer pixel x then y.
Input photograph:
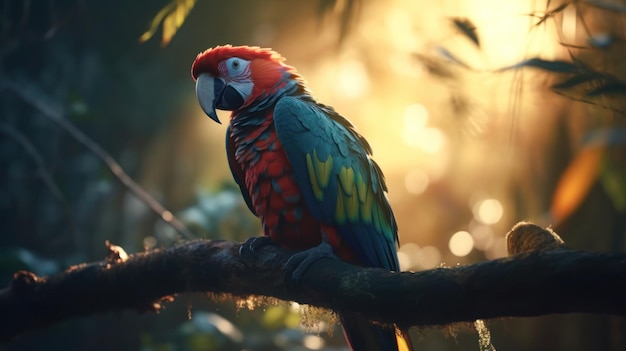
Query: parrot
{"type": "Point", "coordinates": [302, 169]}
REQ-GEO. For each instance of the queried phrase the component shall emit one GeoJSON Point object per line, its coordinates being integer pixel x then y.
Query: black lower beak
{"type": "Point", "coordinates": [213, 93]}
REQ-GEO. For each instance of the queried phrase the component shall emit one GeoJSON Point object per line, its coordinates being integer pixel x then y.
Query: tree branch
{"type": "Point", "coordinates": [535, 282]}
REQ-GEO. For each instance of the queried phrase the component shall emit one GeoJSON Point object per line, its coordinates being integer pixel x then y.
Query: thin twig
{"type": "Point", "coordinates": [55, 114]}
{"type": "Point", "coordinates": [42, 172]}
{"type": "Point", "coordinates": [35, 156]}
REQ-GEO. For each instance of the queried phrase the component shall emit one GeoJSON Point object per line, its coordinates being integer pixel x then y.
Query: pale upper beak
{"type": "Point", "coordinates": [209, 91]}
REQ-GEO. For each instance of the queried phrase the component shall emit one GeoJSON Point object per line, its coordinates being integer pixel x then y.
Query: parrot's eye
{"type": "Point", "coordinates": [237, 68]}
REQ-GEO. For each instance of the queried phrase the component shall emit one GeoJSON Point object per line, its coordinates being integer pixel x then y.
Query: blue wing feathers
{"type": "Point", "coordinates": [308, 130]}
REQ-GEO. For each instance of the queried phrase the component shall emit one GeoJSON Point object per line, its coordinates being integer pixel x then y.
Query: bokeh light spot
{"type": "Point", "coordinates": [497, 250]}
{"type": "Point", "coordinates": [416, 181]}
{"type": "Point", "coordinates": [461, 243]}
{"type": "Point", "coordinates": [408, 255]}
{"type": "Point", "coordinates": [313, 342]}
{"type": "Point", "coordinates": [488, 211]}
{"type": "Point", "coordinates": [167, 216]}
{"type": "Point", "coordinates": [404, 260]}
{"type": "Point", "coordinates": [483, 237]}
{"type": "Point", "coordinates": [415, 119]}
{"type": "Point", "coordinates": [225, 326]}
{"type": "Point", "coordinates": [431, 140]}
{"type": "Point", "coordinates": [429, 257]}
{"type": "Point", "coordinates": [415, 133]}
{"type": "Point", "coordinates": [294, 307]}
{"type": "Point", "coordinates": [416, 115]}
{"type": "Point", "coordinates": [149, 242]}
{"type": "Point", "coordinates": [353, 80]}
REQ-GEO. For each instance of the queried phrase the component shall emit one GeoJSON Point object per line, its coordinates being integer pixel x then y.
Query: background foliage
{"type": "Point", "coordinates": [480, 115]}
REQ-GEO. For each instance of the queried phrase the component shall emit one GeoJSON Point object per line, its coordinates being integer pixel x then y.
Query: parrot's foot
{"type": "Point", "coordinates": [297, 264]}
{"type": "Point", "coordinates": [247, 249]}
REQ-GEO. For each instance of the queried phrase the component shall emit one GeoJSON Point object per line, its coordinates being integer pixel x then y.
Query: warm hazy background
{"type": "Point", "coordinates": [468, 149]}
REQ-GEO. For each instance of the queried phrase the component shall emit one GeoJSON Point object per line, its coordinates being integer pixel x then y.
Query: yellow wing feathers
{"type": "Point", "coordinates": [347, 191]}
{"type": "Point", "coordinates": [355, 200]}
{"type": "Point", "coordinates": [319, 173]}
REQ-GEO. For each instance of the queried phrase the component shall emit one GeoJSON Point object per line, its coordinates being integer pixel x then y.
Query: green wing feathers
{"type": "Point", "coordinates": [342, 185]}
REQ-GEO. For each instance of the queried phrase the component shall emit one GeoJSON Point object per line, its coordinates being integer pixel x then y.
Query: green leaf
{"type": "Point", "coordinates": [613, 179]}
{"type": "Point", "coordinates": [346, 11]}
{"type": "Point", "coordinates": [467, 28]}
{"type": "Point", "coordinates": [577, 80]}
{"type": "Point", "coordinates": [156, 21]}
{"type": "Point", "coordinates": [172, 16]}
{"type": "Point", "coordinates": [606, 5]}
{"type": "Point", "coordinates": [550, 66]}
{"type": "Point", "coordinates": [550, 13]}
{"type": "Point", "coordinates": [612, 136]}
{"type": "Point", "coordinates": [610, 88]}
{"type": "Point", "coordinates": [452, 58]}
{"type": "Point", "coordinates": [435, 66]}
{"type": "Point", "coordinates": [576, 182]}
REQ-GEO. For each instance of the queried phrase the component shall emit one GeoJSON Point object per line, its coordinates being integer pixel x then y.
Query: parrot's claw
{"type": "Point", "coordinates": [297, 264]}
{"type": "Point", "coordinates": [251, 245]}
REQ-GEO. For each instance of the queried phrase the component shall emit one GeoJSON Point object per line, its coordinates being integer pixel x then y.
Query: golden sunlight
{"type": "Point", "coordinates": [568, 25]}
{"type": "Point", "coordinates": [416, 133]}
{"type": "Point", "coordinates": [415, 119]}
{"type": "Point", "coordinates": [352, 79]}
{"type": "Point", "coordinates": [439, 131]}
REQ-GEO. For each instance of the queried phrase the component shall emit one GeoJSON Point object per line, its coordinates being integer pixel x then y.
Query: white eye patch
{"type": "Point", "coordinates": [237, 68]}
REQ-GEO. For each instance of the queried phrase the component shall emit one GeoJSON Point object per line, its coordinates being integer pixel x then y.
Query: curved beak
{"type": "Point", "coordinates": [209, 91]}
